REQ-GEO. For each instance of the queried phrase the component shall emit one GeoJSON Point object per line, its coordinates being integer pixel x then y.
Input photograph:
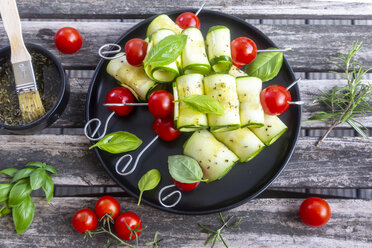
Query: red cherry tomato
{"type": "Point", "coordinates": [135, 50]}
{"type": "Point", "coordinates": [161, 103]}
{"type": "Point", "coordinates": [164, 127]}
{"type": "Point", "coordinates": [186, 186]}
{"type": "Point", "coordinates": [107, 205]}
{"type": "Point", "coordinates": [243, 51]}
{"type": "Point", "coordinates": [120, 95]}
{"type": "Point", "coordinates": [188, 19]}
{"type": "Point", "coordinates": [84, 220]}
{"type": "Point", "coordinates": [68, 40]}
{"type": "Point", "coordinates": [315, 211]}
{"type": "Point", "coordinates": [134, 223]}
{"type": "Point", "coordinates": [274, 99]}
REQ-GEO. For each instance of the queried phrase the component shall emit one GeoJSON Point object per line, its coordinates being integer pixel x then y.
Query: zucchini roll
{"type": "Point", "coordinates": [218, 49]}
{"type": "Point", "coordinates": [251, 112]}
{"type": "Point", "coordinates": [271, 131]}
{"type": "Point", "coordinates": [242, 142]}
{"type": "Point", "coordinates": [194, 57]}
{"type": "Point", "coordinates": [162, 73]}
{"type": "Point", "coordinates": [161, 22]}
{"type": "Point", "coordinates": [214, 158]}
{"type": "Point", "coordinates": [187, 119]}
{"type": "Point", "coordinates": [236, 72]}
{"type": "Point", "coordinates": [131, 77]}
{"type": "Point", "coordinates": [222, 87]}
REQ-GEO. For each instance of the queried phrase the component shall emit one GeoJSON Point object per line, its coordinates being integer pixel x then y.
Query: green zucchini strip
{"type": "Point", "coordinates": [222, 87]}
{"type": "Point", "coordinates": [161, 22]}
{"type": "Point", "coordinates": [271, 131]}
{"type": "Point", "coordinates": [218, 49]}
{"type": "Point", "coordinates": [236, 72]}
{"type": "Point", "coordinates": [214, 158]}
{"type": "Point", "coordinates": [251, 112]}
{"type": "Point", "coordinates": [194, 57]}
{"type": "Point", "coordinates": [188, 119]}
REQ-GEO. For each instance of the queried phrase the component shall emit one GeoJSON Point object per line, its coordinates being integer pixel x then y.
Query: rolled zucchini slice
{"type": "Point", "coordinates": [271, 131]}
{"type": "Point", "coordinates": [222, 87]}
{"type": "Point", "coordinates": [214, 158]}
{"type": "Point", "coordinates": [160, 22]}
{"type": "Point", "coordinates": [187, 119]}
{"type": "Point", "coordinates": [132, 77]}
{"type": "Point", "coordinates": [251, 112]}
{"type": "Point", "coordinates": [194, 56]}
{"type": "Point", "coordinates": [218, 49]}
{"type": "Point", "coordinates": [163, 73]}
{"type": "Point", "coordinates": [236, 72]}
{"type": "Point", "coordinates": [242, 142]}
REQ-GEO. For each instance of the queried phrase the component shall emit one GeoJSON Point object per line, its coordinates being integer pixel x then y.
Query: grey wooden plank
{"type": "Point", "coordinates": [338, 163]}
{"type": "Point", "coordinates": [312, 45]}
{"type": "Point", "coordinates": [252, 9]}
{"type": "Point", "coordinates": [265, 223]}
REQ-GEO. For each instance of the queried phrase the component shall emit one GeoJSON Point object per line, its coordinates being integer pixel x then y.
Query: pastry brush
{"type": "Point", "coordinates": [28, 95]}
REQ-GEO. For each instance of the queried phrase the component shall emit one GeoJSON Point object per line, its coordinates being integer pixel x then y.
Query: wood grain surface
{"type": "Point", "coordinates": [265, 223]}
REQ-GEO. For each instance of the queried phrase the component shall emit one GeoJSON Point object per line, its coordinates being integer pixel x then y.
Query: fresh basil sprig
{"type": "Point", "coordinates": [203, 104]}
{"type": "Point", "coordinates": [15, 195]}
{"type": "Point", "coordinates": [184, 169]}
{"type": "Point", "coordinates": [167, 50]}
{"type": "Point", "coordinates": [118, 142]}
{"type": "Point", "coordinates": [266, 65]}
{"type": "Point", "coordinates": [148, 182]}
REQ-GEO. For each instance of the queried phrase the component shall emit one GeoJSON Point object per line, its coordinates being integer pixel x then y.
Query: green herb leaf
{"type": "Point", "coordinates": [167, 50]}
{"type": "Point", "coordinates": [184, 169]}
{"type": "Point", "coordinates": [36, 164]}
{"type": "Point", "coordinates": [118, 142]}
{"type": "Point", "coordinates": [203, 104]}
{"type": "Point", "coordinates": [9, 172]}
{"type": "Point", "coordinates": [23, 215]}
{"type": "Point", "coordinates": [50, 169]}
{"type": "Point", "coordinates": [19, 192]}
{"type": "Point", "coordinates": [148, 182]}
{"type": "Point", "coordinates": [37, 178]}
{"type": "Point", "coordinates": [22, 174]}
{"type": "Point", "coordinates": [48, 187]}
{"type": "Point", "coordinates": [4, 191]}
{"type": "Point", "coordinates": [5, 211]}
{"type": "Point", "coordinates": [266, 65]}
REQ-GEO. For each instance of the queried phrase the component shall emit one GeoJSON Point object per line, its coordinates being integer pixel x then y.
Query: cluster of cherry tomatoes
{"type": "Point", "coordinates": [126, 223]}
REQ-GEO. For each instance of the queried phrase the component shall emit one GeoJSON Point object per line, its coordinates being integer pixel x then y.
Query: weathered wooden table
{"type": "Point", "coordinates": [314, 29]}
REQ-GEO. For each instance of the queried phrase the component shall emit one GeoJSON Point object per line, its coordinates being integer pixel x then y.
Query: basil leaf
{"type": "Point", "coordinates": [48, 187]}
{"type": "Point", "coordinates": [167, 50]}
{"type": "Point", "coordinates": [203, 104]}
{"type": "Point", "coordinates": [5, 211]}
{"type": "Point", "coordinates": [118, 142]}
{"type": "Point", "coordinates": [148, 182]}
{"type": "Point", "coordinates": [37, 178]}
{"type": "Point", "coordinates": [23, 215]}
{"type": "Point", "coordinates": [22, 174]}
{"type": "Point", "coordinates": [265, 66]}
{"type": "Point", "coordinates": [184, 169]}
{"type": "Point", "coordinates": [19, 192]}
{"type": "Point", "coordinates": [50, 169]}
{"type": "Point", "coordinates": [9, 172]}
{"type": "Point", "coordinates": [4, 191]}
{"type": "Point", "coordinates": [36, 164]}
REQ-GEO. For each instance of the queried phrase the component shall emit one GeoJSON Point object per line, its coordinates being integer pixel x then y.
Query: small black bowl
{"type": "Point", "coordinates": [59, 89]}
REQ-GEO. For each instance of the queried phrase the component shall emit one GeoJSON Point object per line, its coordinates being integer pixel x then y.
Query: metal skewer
{"type": "Point", "coordinates": [125, 104]}
{"type": "Point", "coordinates": [162, 199]}
{"type": "Point", "coordinates": [99, 123]}
{"type": "Point", "coordinates": [200, 9]}
{"type": "Point", "coordinates": [290, 86]}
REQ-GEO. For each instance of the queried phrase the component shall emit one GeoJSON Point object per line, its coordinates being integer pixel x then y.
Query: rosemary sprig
{"type": "Point", "coordinates": [348, 102]}
{"type": "Point", "coordinates": [217, 234]}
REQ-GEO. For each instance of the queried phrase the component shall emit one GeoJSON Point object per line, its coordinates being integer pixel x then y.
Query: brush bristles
{"type": "Point", "coordinates": [31, 106]}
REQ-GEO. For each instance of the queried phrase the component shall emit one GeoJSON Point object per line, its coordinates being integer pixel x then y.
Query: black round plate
{"type": "Point", "coordinates": [244, 182]}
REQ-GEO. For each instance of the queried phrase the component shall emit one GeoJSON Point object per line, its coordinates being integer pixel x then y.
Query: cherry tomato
{"type": "Point", "coordinates": [164, 127]}
{"type": "Point", "coordinates": [161, 103]}
{"type": "Point", "coordinates": [107, 205]}
{"type": "Point", "coordinates": [120, 95]}
{"type": "Point", "coordinates": [134, 223]}
{"type": "Point", "coordinates": [315, 212]}
{"type": "Point", "coordinates": [188, 19]}
{"type": "Point", "coordinates": [135, 50]}
{"type": "Point", "coordinates": [186, 186]}
{"type": "Point", "coordinates": [68, 40]}
{"type": "Point", "coordinates": [243, 51]}
{"type": "Point", "coordinates": [84, 220]}
{"type": "Point", "coordinates": [274, 99]}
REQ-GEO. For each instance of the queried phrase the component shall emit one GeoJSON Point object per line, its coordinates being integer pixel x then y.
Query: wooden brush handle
{"type": "Point", "coordinates": [12, 24]}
